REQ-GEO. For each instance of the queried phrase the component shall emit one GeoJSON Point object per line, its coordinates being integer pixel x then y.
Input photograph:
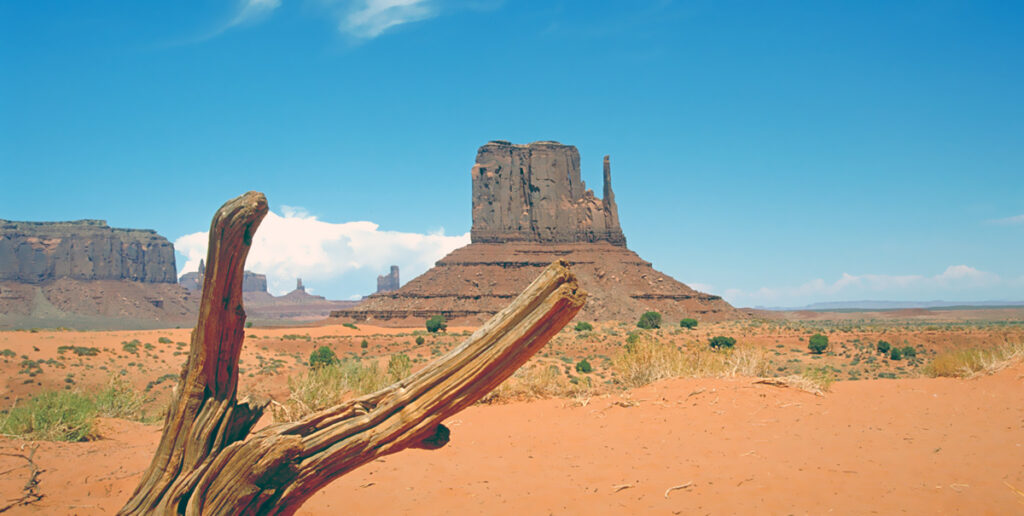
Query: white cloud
{"type": "Point", "coordinates": [253, 10]}
{"type": "Point", "coordinates": [298, 245]}
{"type": "Point", "coordinates": [952, 283]}
{"type": "Point", "coordinates": [1010, 221]}
{"type": "Point", "coordinates": [368, 19]}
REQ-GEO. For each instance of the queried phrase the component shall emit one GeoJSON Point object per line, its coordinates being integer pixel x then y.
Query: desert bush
{"type": "Point", "coordinates": [121, 400]}
{"type": "Point", "coordinates": [819, 377]}
{"type": "Point", "coordinates": [399, 366]}
{"type": "Point", "coordinates": [909, 352]}
{"type": "Point", "coordinates": [584, 367]}
{"type": "Point", "coordinates": [649, 321]}
{"type": "Point", "coordinates": [52, 416]}
{"type": "Point", "coordinates": [818, 343]}
{"type": "Point", "coordinates": [883, 347]}
{"type": "Point", "coordinates": [968, 362]}
{"type": "Point", "coordinates": [584, 326]}
{"type": "Point", "coordinates": [436, 324]}
{"type": "Point", "coordinates": [322, 356]}
{"type": "Point", "coordinates": [165, 340]}
{"type": "Point", "coordinates": [536, 382]}
{"type": "Point", "coordinates": [896, 354]}
{"type": "Point", "coordinates": [350, 325]}
{"type": "Point", "coordinates": [322, 387]}
{"type": "Point", "coordinates": [420, 340]}
{"type": "Point", "coordinates": [131, 346]}
{"type": "Point", "coordinates": [648, 360]}
{"type": "Point", "coordinates": [721, 342]}
{"type": "Point", "coordinates": [688, 323]}
{"type": "Point", "coordinates": [71, 415]}
{"type": "Point", "coordinates": [364, 344]}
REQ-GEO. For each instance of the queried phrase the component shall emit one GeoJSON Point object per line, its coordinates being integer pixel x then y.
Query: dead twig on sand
{"type": "Point", "coordinates": [621, 487]}
{"type": "Point", "coordinates": [680, 486]}
{"type": "Point", "coordinates": [29, 493]}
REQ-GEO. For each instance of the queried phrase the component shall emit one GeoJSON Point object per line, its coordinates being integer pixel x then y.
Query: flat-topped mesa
{"type": "Point", "coordinates": [533, 193]}
{"type": "Point", "coordinates": [38, 252]}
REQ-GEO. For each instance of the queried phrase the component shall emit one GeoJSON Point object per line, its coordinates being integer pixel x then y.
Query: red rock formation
{"type": "Point", "coordinates": [530, 208]}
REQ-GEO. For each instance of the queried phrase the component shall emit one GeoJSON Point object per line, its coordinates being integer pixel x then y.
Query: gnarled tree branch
{"type": "Point", "coordinates": [207, 463]}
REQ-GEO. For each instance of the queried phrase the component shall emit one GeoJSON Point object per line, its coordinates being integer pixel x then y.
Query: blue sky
{"type": "Point", "coordinates": [777, 153]}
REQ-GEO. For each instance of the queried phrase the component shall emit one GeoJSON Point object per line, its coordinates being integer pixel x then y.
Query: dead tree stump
{"type": "Point", "coordinates": [208, 463]}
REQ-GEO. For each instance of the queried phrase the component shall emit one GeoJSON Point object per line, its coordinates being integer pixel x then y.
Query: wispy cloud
{"type": "Point", "coordinates": [340, 255]}
{"type": "Point", "coordinates": [367, 19]}
{"type": "Point", "coordinates": [253, 10]}
{"type": "Point", "coordinates": [1009, 221]}
{"type": "Point", "coordinates": [953, 282]}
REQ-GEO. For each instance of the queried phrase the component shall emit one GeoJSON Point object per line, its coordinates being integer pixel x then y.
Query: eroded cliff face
{"type": "Point", "coordinates": [533, 193]}
{"type": "Point", "coordinates": [38, 252]}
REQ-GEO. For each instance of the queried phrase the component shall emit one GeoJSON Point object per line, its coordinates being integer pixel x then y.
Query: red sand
{"type": "Point", "coordinates": [883, 446]}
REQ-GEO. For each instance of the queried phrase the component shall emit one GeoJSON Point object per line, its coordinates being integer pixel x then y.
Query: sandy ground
{"type": "Point", "coordinates": [915, 446]}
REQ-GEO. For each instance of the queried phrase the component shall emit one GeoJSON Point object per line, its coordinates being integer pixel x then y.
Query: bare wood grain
{"type": "Point", "coordinates": [207, 463]}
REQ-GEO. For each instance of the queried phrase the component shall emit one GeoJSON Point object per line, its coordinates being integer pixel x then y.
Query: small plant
{"type": "Point", "coordinates": [818, 343]}
{"type": "Point", "coordinates": [584, 367]}
{"type": "Point", "coordinates": [721, 342]}
{"type": "Point", "coordinates": [131, 346]}
{"type": "Point", "coordinates": [399, 366]}
{"type": "Point", "coordinates": [164, 340]}
{"type": "Point", "coordinates": [649, 321]}
{"type": "Point", "coordinates": [322, 356]}
{"type": "Point", "coordinates": [364, 344]}
{"type": "Point", "coordinates": [584, 326]}
{"type": "Point", "coordinates": [436, 324]}
{"type": "Point", "coordinates": [350, 325]}
{"type": "Point", "coordinates": [883, 347]}
{"type": "Point", "coordinates": [52, 416]}
{"type": "Point", "coordinates": [896, 354]}
{"type": "Point", "coordinates": [909, 352]}
{"type": "Point", "coordinates": [688, 323]}
{"type": "Point", "coordinates": [420, 340]}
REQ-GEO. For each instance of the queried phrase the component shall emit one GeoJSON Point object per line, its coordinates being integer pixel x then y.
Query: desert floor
{"type": "Point", "coordinates": [695, 445]}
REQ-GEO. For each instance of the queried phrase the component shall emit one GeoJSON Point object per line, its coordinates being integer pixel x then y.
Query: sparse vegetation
{"type": "Point", "coordinates": [584, 326]}
{"type": "Point", "coordinates": [649, 321]}
{"type": "Point", "coordinates": [721, 342]}
{"type": "Point", "coordinates": [399, 367]}
{"type": "Point", "coordinates": [969, 362]}
{"type": "Point", "coordinates": [65, 415]}
{"type": "Point", "coordinates": [883, 347]}
{"type": "Point", "coordinates": [322, 356]}
{"type": "Point", "coordinates": [818, 343]}
{"type": "Point", "coordinates": [436, 324]}
{"type": "Point", "coordinates": [584, 367]}
{"type": "Point", "coordinates": [688, 323]}
{"type": "Point", "coordinates": [322, 387]}
{"type": "Point", "coordinates": [420, 340]}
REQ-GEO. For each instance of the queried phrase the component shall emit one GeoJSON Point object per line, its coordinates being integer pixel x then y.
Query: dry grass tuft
{"type": "Point", "coordinates": [540, 381]}
{"type": "Point", "coordinates": [647, 360]}
{"type": "Point", "coordinates": [326, 386]}
{"type": "Point", "coordinates": [964, 363]}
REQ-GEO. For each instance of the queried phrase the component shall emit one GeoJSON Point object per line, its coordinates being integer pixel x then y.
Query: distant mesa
{"type": "Point", "coordinates": [86, 274]}
{"type": "Point", "coordinates": [530, 207]}
{"type": "Point", "coordinates": [251, 281]}
{"type": "Point", "coordinates": [37, 252]}
{"type": "Point", "coordinates": [388, 282]}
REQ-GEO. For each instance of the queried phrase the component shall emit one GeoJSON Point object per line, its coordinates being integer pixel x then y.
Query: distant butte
{"type": "Point", "coordinates": [530, 207]}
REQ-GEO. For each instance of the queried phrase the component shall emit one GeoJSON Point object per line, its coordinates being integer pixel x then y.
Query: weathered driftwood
{"type": "Point", "coordinates": [207, 463]}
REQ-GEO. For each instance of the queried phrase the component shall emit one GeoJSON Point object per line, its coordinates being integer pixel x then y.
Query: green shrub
{"type": "Point", "coordinates": [721, 342]}
{"type": "Point", "coordinates": [436, 324]}
{"type": "Point", "coordinates": [350, 325]}
{"type": "Point", "coordinates": [896, 354]}
{"type": "Point", "coordinates": [818, 343]}
{"type": "Point", "coordinates": [688, 323]}
{"type": "Point", "coordinates": [420, 340]}
{"type": "Point", "coordinates": [399, 366]}
{"type": "Point", "coordinates": [649, 321]}
{"type": "Point", "coordinates": [364, 344]}
{"type": "Point", "coordinates": [131, 347]}
{"type": "Point", "coordinates": [164, 340]}
{"type": "Point", "coordinates": [909, 352]}
{"type": "Point", "coordinates": [322, 356]}
{"type": "Point", "coordinates": [584, 326]}
{"type": "Point", "coordinates": [52, 416]}
{"type": "Point", "coordinates": [584, 367]}
{"type": "Point", "coordinates": [883, 347]}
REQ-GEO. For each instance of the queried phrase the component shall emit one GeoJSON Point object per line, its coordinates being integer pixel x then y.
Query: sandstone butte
{"type": "Point", "coordinates": [530, 207]}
